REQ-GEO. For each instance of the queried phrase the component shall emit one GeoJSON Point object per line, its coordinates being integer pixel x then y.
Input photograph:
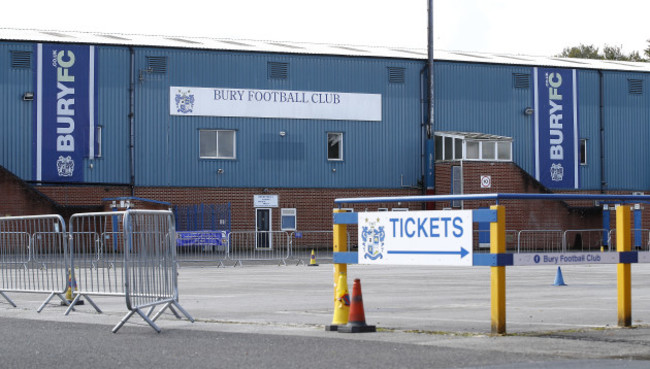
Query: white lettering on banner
{"type": "Point", "coordinates": [64, 102]}
{"type": "Point", "coordinates": [230, 102]}
{"type": "Point", "coordinates": [565, 258]}
{"type": "Point", "coordinates": [554, 81]}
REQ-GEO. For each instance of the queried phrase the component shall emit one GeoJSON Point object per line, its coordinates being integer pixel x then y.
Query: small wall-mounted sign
{"type": "Point", "coordinates": [265, 201]}
{"type": "Point", "coordinates": [486, 181]}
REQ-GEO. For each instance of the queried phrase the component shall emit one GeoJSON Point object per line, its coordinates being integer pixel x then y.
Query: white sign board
{"type": "Point", "coordinates": [265, 201]}
{"type": "Point", "coordinates": [486, 181]}
{"type": "Point", "coordinates": [242, 102]}
{"type": "Point", "coordinates": [416, 238]}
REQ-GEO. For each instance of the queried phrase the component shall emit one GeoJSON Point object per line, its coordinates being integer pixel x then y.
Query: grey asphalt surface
{"type": "Point", "coordinates": [438, 317]}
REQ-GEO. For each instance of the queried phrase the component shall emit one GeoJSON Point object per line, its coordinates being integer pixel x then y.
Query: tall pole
{"type": "Point", "coordinates": [430, 65]}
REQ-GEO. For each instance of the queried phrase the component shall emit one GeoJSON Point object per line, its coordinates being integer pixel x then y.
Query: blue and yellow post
{"type": "Point", "coordinates": [624, 271]}
{"type": "Point", "coordinates": [498, 273]}
{"type": "Point", "coordinates": [341, 297]}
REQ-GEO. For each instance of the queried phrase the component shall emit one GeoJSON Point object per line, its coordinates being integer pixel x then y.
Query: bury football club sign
{"type": "Point", "coordinates": [64, 111]}
{"type": "Point", "coordinates": [291, 104]}
{"type": "Point", "coordinates": [556, 127]}
{"type": "Point", "coordinates": [442, 237]}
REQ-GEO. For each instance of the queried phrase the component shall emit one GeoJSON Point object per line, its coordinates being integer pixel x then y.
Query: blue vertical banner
{"type": "Point", "coordinates": [556, 128]}
{"type": "Point", "coordinates": [64, 111]}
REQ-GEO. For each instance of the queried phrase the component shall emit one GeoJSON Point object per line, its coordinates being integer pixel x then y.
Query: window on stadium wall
{"type": "Point", "coordinates": [472, 146]}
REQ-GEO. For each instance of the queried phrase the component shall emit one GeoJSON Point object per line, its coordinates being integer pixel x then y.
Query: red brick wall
{"type": "Point", "coordinates": [18, 198]}
{"type": "Point", "coordinates": [509, 178]}
{"type": "Point", "coordinates": [313, 206]}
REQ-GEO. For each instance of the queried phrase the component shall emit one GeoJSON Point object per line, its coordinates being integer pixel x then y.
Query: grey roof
{"type": "Point", "coordinates": [474, 136]}
{"type": "Point", "coordinates": [97, 38]}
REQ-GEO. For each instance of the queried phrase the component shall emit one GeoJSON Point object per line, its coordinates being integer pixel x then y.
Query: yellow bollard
{"type": "Point", "coordinates": [340, 241]}
{"type": "Point", "coordinates": [341, 304]}
{"type": "Point", "coordinates": [498, 273]}
{"type": "Point", "coordinates": [339, 238]}
{"type": "Point", "coordinates": [624, 271]}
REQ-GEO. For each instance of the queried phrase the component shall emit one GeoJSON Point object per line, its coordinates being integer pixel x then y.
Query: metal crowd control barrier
{"type": "Point", "coordinates": [130, 254]}
{"type": "Point", "coordinates": [34, 256]}
{"type": "Point", "coordinates": [303, 242]}
{"type": "Point", "coordinates": [252, 245]}
{"type": "Point", "coordinates": [431, 226]}
{"type": "Point", "coordinates": [539, 241]}
{"type": "Point", "coordinates": [202, 246]}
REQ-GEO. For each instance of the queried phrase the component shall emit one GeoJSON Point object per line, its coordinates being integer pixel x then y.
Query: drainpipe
{"type": "Point", "coordinates": [429, 160]}
{"type": "Point", "coordinates": [602, 132]}
{"type": "Point", "coordinates": [430, 64]}
{"type": "Point", "coordinates": [132, 122]}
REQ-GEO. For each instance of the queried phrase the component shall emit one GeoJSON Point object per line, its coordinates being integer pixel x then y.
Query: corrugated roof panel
{"type": "Point", "coordinates": [311, 48]}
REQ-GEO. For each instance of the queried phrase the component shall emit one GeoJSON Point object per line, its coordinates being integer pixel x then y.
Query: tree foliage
{"type": "Point", "coordinates": [609, 53]}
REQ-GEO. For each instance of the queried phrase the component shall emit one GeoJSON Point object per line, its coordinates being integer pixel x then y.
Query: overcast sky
{"type": "Point", "coordinates": [542, 27]}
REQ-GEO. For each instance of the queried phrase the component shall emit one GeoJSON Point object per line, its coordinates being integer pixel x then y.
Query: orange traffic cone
{"type": "Point", "coordinates": [357, 318]}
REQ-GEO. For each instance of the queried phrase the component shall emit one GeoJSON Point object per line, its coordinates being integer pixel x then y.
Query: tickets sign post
{"type": "Point", "coordinates": [441, 237]}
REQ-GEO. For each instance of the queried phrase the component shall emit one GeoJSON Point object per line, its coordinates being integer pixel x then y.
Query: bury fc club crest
{"type": "Point", "coordinates": [372, 240]}
{"type": "Point", "coordinates": [184, 102]}
{"type": "Point", "coordinates": [65, 166]}
{"type": "Point", "coordinates": [557, 172]}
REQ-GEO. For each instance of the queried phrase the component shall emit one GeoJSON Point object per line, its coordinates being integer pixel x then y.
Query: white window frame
{"type": "Point", "coordinates": [583, 153]}
{"type": "Point", "coordinates": [481, 143]}
{"type": "Point", "coordinates": [288, 212]}
{"type": "Point", "coordinates": [98, 139]}
{"type": "Point", "coordinates": [218, 131]}
{"type": "Point", "coordinates": [340, 158]}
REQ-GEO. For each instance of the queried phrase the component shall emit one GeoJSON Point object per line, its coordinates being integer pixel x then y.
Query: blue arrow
{"type": "Point", "coordinates": [462, 252]}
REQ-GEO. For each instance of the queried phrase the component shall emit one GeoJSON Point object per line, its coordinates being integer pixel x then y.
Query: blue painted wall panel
{"type": "Point", "coordinates": [376, 154]}
{"type": "Point", "coordinates": [15, 114]}
{"type": "Point", "coordinates": [627, 130]}
{"type": "Point", "coordinates": [482, 98]}
{"type": "Point", "coordinates": [387, 154]}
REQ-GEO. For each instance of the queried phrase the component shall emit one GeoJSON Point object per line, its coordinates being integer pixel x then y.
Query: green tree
{"type": "Point", "coordinates": [582, 52]}
{"type": "Point", "coordinates": [609, 53]}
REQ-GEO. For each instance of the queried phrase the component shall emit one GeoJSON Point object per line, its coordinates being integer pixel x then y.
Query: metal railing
{"type": "Point", "coordinates": [640, 239]}
{"type": "Point", "coordinates": [130, 254]}
{"type": "Point", "coordinates": [33, 256]}
{"type": "Point", "coordinates": [258, 246]}
{"type": "Point", "coordinates": [202, 246]}
{"type": "Point", "coordinates": [304, 242]}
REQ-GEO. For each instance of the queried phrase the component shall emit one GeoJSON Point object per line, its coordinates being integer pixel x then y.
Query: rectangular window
{"type": "Point", "coordinates": [217, 144]}
{"type": "Point", "coordinates": [583, 151]}
{"type": "Point", "coordinates": [449, 148]}
{"type": "Point", "coordinates": [458, 149]}
{"type": "Point", "coordinates": [457, 185]}
{"type": "Point", "coordinates": [438, 145]}
{"type": "Point", "coordinates": [471, 148]}
{"type": "Point", "coordinates": [504, 151]}
{"type": "Point", "coordinates": [288, 219]}
{"type": "Point", "coordinates": [487, 150]}
{"type": "Point", "coordinates": [334, 146]}
{"type": "Point", "coordinates": [98, 140]}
